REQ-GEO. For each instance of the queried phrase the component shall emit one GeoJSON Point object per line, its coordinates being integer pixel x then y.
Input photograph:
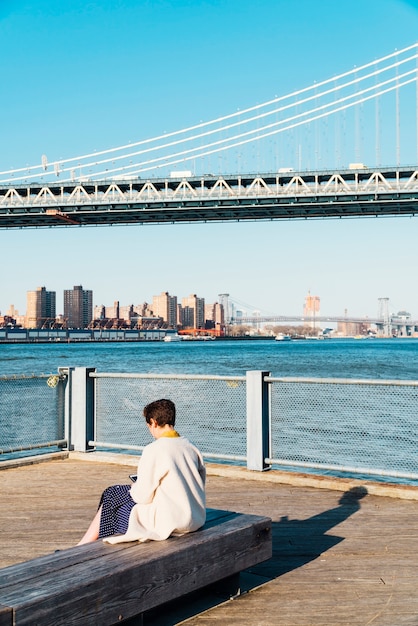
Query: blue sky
{"type": "Point", "coordinates": [81, 76]}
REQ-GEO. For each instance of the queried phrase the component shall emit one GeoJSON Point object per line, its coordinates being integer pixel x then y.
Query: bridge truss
{"type": "Point", "coordinates": [361, 192]}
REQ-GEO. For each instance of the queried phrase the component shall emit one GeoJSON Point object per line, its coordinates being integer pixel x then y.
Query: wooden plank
{"type": "Point", "coordinates": [117, 582]}
{"type": "Point", "coordinates": [362, 569]}
{"type": "Point", "coordinates": [103, 559]}
{"type": "Point", "coordinates": [21, 572]}
{"type": "Point", "coordinates": [6, 615]}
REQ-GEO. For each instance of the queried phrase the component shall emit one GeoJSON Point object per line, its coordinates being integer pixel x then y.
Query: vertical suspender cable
{"type": "Point", "coordinates": [398, 134]}
{"type": "Point", "coordinates": [317, 136]}
{"type": "Point", "coordinates": [337, 126]}
{"type": "Point", "coordinates": [416, 107]}
{"type": "Point", "coordinates": [377, 130]}
{"type": "Point", "coordinates": [357, 128]}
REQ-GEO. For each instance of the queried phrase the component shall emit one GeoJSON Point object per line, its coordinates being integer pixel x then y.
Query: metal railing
{"type": "Point", "coordinates": [210, 409]}
{"type": "Point", "coordinates": [32, 413]}
{"type": "Point", "coordinates": [364, 427]}
{"type": "Point", "coordinates": [342, 427]}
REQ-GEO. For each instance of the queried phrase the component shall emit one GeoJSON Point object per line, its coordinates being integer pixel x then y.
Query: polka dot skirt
{"type": "Point", "coordinates": [116, 505]}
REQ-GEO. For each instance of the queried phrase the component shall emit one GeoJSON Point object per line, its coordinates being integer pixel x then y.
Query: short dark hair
{"type": "Point", "coordinates": [161, 411]}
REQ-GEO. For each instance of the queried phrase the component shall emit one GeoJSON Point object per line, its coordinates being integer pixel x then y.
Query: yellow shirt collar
{"type": "Point", "coordinates": [170, 433]}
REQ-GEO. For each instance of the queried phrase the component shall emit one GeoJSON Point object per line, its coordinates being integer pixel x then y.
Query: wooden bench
{"type": "Point", "coordinates": [105, 584]}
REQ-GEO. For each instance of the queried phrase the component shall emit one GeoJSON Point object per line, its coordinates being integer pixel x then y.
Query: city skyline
{"type": "Point", "coordinates": [272, 265]}
{"type": "Point", "coordinates": [309, 301]}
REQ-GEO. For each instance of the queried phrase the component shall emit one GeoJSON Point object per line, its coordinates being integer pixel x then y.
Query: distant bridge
{"type": "Point", "coordinates": [309, 320]}
{"type": "Point", "coordinates": [361, 192]}
{"type": "Point", "coordinates": [269, 319]}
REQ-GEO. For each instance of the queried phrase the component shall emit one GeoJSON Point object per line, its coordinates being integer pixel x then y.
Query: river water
{"type": "Point", "coordinates": [385, 424]}
{"type": "Point", "coordinates": [389, 359]}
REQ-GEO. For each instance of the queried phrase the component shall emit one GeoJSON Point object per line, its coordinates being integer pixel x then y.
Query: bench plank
{"type": "Point", "coordinates": [6, 616]}
{"type": "Point", "coordinates": [55, 562]}
{"type": "Point", "coordinates": [103, 584]}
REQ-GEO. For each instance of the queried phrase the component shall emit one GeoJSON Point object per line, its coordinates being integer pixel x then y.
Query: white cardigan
{"type": "Point", "coordinates": [169, 492]}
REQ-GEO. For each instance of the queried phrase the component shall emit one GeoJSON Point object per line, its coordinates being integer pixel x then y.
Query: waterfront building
{"type": "Point", "coordinates": [401, 324]}
{"type": "Point", "coordinates": [12, 312]}
{"type": "Point", "coordinates": [99, 312]}
{"type": "Point", "coordinates": [40, 308]}
{"type": "Point", "coordinates": [193, 312]}
{"type": "Point", "coordinates": [78, 307]}
{"type": "Point", "coordinates": [149, 322]}
{"type": "Point", "coordinates": [7, 321]}
{"type": "Point", "coordinates": [12, 317]}
{"type": "Point", "coordinates": [142, 316]}
{"type": "Point", "coordinates": [112, 312]}
{"type": "Point", "coordinates": [143, 309]}
{"type": "Point", "coordinates": [117, 316]}
{"type": "Point", "coordinates": [165, 306]}
{"type": "Point", "coordinates": [352, 329]}
{"type": "Point", "coordinates": [126, 312]}
{"type": "Point", "coordinates": [215, 315]}
{"type": "Point", "coordinates": [311, 309]}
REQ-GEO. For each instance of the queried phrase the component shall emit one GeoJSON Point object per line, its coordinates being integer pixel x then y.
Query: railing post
{"type": "Point", "coordinates": [82, 408]}
{"type": "Point", "coordinates": [65, 375]}
{"type": "Point", "coordinates": [258, 420]}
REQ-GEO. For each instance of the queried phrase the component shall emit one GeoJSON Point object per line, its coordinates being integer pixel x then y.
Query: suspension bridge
{"type": "Point", "coordinates": [314, 153]}
{"type": "Point", "coordinates": [386, 323]}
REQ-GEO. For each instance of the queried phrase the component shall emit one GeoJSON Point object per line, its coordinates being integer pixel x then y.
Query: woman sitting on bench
{"type": "Point", "coordinates": [169, 495]}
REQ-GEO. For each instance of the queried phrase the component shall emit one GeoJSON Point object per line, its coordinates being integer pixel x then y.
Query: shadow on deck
{"type": "Point", "coordinates": [295, 543]}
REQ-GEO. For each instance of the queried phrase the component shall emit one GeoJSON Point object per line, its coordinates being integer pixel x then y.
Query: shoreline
{"type": "Point", "coordinates": [157, 336]}
{"type": "Point", "coordinates": [140, 340]}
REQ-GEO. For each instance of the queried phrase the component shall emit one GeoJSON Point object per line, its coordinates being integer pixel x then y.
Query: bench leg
{"type": "Point", "coordinates": [227, 587]}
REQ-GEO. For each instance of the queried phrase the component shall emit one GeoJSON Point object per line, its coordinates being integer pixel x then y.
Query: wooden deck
{"type": "Point", "coordinates": [340, 555]}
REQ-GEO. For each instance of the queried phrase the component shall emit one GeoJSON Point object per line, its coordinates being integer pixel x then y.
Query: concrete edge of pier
{"type": "Point", "coordinates": [296, 479]}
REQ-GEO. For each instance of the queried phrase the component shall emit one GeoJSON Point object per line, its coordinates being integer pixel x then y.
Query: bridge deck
{"type": "Point", "coordinates": [338, 558]}
{"type": "Point", "coordinates": [270, 196]}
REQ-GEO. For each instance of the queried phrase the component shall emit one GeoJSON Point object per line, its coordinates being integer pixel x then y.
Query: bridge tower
{"type": "Point", "coordinates": [383, 315]}
{"type": "Point", "coordinates": [224, 300]}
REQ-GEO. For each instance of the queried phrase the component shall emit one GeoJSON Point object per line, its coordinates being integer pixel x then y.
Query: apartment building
{"type": "Point", "coordinates": [193, 312]}
{"type": "Point", "coordinates": [40, 308]}
{"type": "Point", "coordinates": [214, 314]}
{"type": "Point", "coordinates": [165, 306]}
{"type": "Point", "coordinates": [78, 307]}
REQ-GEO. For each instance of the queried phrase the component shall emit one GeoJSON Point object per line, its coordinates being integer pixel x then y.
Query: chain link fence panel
{"type": "Point", "coordinates": [31, 411]}
{"type": "Point", "coordinates": [210, 411]}
{"type": "Point", "coordinates": [355, 426]}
